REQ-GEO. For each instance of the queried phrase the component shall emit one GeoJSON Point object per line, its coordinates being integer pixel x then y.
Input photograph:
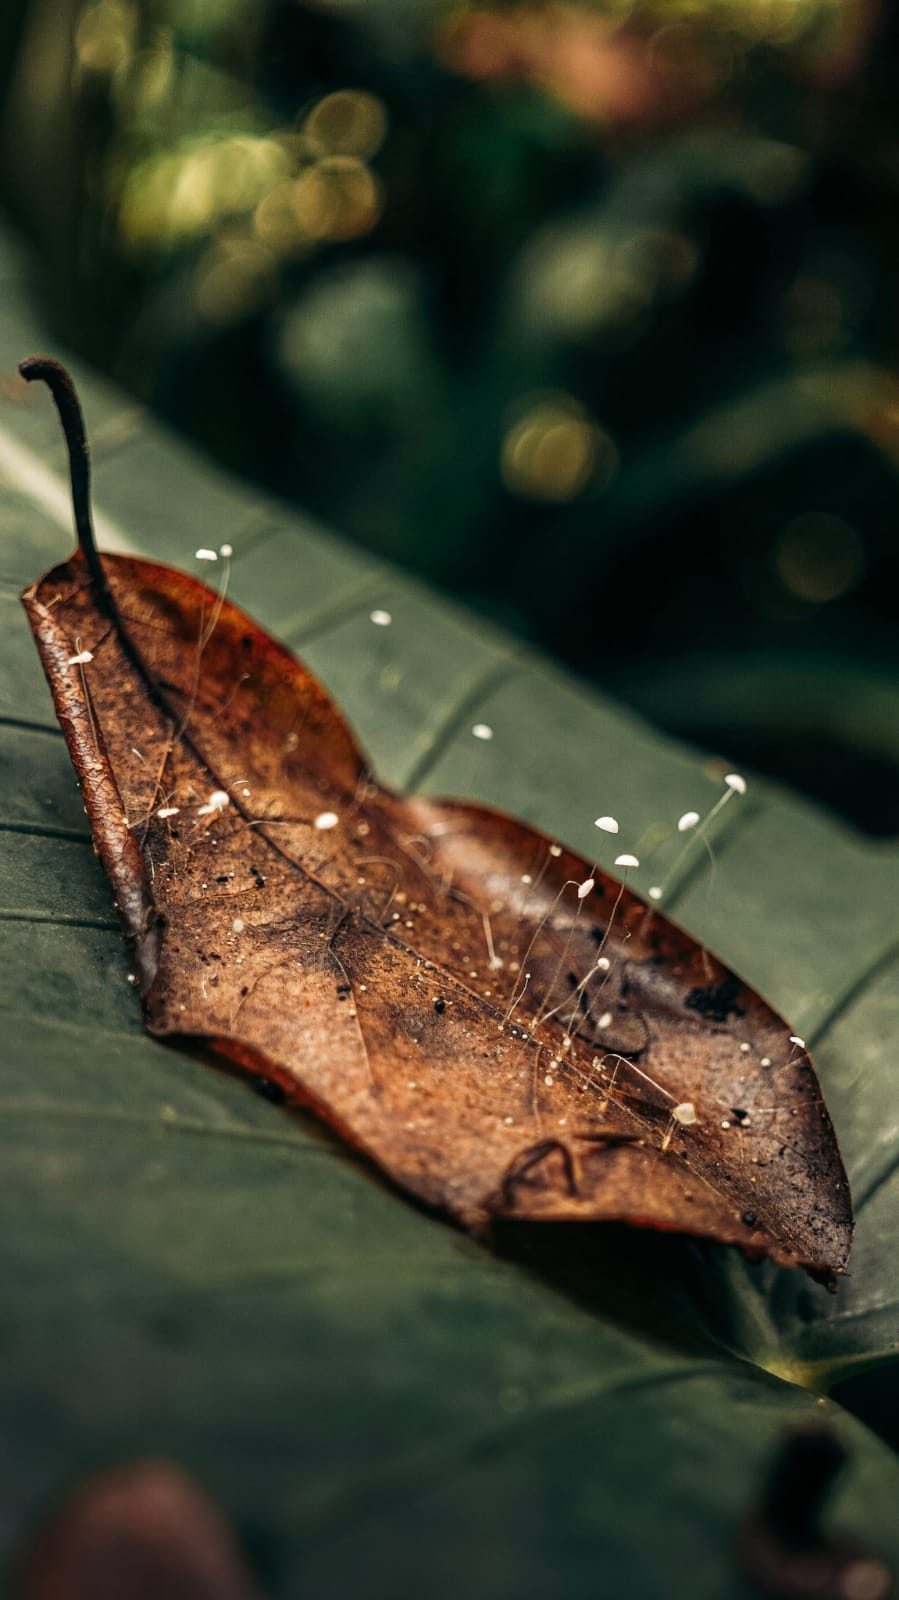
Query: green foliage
{"type": "Point", "coordinates": [381, 1404]}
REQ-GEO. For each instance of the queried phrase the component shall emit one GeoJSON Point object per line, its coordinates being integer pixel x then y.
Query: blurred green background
{"type": "Point", "coordinates": [586, 312]}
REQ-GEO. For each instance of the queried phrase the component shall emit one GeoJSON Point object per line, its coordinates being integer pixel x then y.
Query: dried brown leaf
{"type": "Point", "coordinates": [433, 978]}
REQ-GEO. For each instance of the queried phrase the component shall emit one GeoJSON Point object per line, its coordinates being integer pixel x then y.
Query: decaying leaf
{"type": "Point", "coordinates": [505, 1030]}
{"type": "Point", "coordinates": [144, 1531]}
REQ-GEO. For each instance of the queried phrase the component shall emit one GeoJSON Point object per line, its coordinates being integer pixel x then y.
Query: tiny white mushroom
{"type": "Point", "coordinates": [685, 1114]}
{"type": "Point", "coordinates": [606, 824]}
{"type": "Point", "coordinates": [218, 800]}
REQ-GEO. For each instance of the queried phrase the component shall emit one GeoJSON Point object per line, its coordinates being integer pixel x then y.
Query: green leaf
{"type": "Point", "coordinates": [380, 1403]}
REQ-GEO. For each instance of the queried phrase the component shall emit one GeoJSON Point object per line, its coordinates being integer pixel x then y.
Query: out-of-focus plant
{"type": "Point", "coordinates": [584, 309]}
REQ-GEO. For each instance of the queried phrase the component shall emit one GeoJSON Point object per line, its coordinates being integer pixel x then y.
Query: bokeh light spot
{"type": "Point", "coordinates": [554, 451]}
{"type": "Point", "coordinates": [104, 37]}
{"type": "Point", "coordinates": [819, 557]}
{"type": "Point", "coordinates": [348, 123]}
{"type": "Point", "coordinates": [174, 197]}
{"type": "Point", "coordinates": [233, 279]}
{"type": "Point", "coordinates": [337, 198]}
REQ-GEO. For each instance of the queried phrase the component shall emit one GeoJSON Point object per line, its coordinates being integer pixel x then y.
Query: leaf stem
{"type": "Point", "coordinates": [62, 387]}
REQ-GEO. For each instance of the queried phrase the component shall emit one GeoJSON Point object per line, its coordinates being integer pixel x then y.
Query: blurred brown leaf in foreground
{"type": "Point", "coordinates": [140, 1532]}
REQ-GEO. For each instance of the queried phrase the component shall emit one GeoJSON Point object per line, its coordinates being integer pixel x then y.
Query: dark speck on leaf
{"type": "Point", "coordinates": [718, 1002]}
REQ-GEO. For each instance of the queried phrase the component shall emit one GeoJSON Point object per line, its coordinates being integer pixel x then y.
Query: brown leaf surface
{"type": "Point", "coordinates": [423, 974]}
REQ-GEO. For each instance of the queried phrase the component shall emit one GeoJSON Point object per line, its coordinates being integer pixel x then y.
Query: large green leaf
{"type": "Point", "coordinates": [380, 1403]}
